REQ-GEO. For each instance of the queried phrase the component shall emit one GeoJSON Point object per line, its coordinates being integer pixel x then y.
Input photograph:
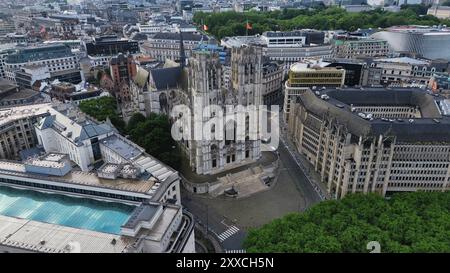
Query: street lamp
{"type": "Point", "coordinates": [207, 220]}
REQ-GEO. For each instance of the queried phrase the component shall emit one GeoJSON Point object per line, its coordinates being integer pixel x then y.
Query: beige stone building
{"type": "Point", "coordinates": [441, 12]}
{"type": "Point", "coordinates": [373, 140]}
{"type": "Point", "coordinates": [17, 129]}
{"type": "Point", "coordinates": [360, 48]}
{"type": "Point", "coordinates": [304, 76]}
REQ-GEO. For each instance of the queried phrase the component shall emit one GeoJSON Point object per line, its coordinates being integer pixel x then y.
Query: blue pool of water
{"type": "Point", "coordinates": [64, 210]}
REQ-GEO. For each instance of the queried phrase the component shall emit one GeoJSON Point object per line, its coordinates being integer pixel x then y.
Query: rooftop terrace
{"type": "Point", "coordinates": [83, 178]}
{"type": "Point", "coordinates": [11, 114]}
{"type": "Point", "coordinates": [122, 146]}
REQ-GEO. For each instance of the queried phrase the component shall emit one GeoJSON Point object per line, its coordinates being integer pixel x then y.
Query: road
{"type": "Point", "coordinates": [296, 174]}
{"type": "Point", "coordinates": [218, 224]}
{"type": "Point", "coordinates": [229, 219]}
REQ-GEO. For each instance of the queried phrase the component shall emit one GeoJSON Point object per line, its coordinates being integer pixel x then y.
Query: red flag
{"type": "Point", "coordinates": [248, 26]}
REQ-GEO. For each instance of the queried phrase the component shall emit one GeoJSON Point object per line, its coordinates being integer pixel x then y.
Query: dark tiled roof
{"type": "Point", "coordinates": [270, 67]}
{"type": "Point", "coordinates": [139, 36]}
{"type": "Point", "coordinates": [432, 127]}
{"type": "Point", "coordinates": [165, 78]}
{"type": "Point", "coordinates": [6, 86]}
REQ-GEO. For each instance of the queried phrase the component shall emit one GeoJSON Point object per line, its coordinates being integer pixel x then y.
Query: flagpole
{"type": "Point", "coordinates": [246, 28]}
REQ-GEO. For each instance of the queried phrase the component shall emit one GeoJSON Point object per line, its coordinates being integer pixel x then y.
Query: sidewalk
{"type": "Point", "coordinates": [304, 164]}
{"type": "Point", "coordinates": [266, 159]}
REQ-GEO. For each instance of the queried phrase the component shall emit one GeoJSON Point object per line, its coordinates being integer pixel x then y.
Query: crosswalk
{"type": "Point", "coordinates": [236, 251]}
{"type": "Point", "coordinates": [228, 233]}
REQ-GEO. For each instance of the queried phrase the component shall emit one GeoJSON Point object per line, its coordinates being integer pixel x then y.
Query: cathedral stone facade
{"type": "Point", "coordinates": [211, 84]}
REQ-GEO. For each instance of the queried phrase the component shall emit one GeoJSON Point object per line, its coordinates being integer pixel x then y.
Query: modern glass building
{"type": "Point", "coordinates": [428, 42]}
{"type": "Point", "coordinates": [32, 54]}
{"type": "Point", "coordinates": [56, 57]}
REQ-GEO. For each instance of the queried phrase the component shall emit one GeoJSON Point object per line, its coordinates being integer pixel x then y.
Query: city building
{"type": "Point", "coordinates": [31, 76]}
{"type": "Point", "coordinates": [358, 72]}
{"type": "Point", "coordinates": [55, 57]}
{"type": "Point", "coordinates": [238, 41]}
{"type": "Point", "coordinates": [223, 52]}
{"type": "Point", "coordinates": [286, 47]}
{"type": "Point", "coordinates": [62, 91]}
{"type": "Point", "coordinates": [439, 11]}
{"type": "Point", "coordinates": [360, 48]}
{"type": "Point", "coordinates": [166, 45]}
{"type": "Point", "coordinates": [155, 90]}
{"type": "Point", "coordinates": [153, 28]}
{"type": "Point", "coordinates": [406, 70]}
{"type": "Point", "coordinates": [439, 81]}
{"type": "Point", "coordinates": [310, 75]}
{"type": "Point", "coordinates": [122, 69]}
{"type": "Point", "coordinates": [103, 48]}
{"type": "Point", "coordinates": [57, 25]}
{"type": "Point", "coordinates": [5, 50]}
{"type": "Point", "coordinates": [374, 140]}
{"type": "Point", "coordinates": [73, 135]}
{"type": "Point", "coordinates": [127, 207]}
{"type": "Point", "coordinates": [14, 95]}
{"type": "Point", "coordinates": [358, 8]}
{"type": "Point", "coordinates": [16, 128]}
{"type": "Point", "coordinates": [315, 74]}
{"type": "Point", "coordinates": [293, 38]}
{"type": "Point", "coordinates": [284, 38]}
{"type": "Point", "coordinates": [110, 45]}
{"type": "Point", "coordinates": [70, 75]}
{"type": "Point", "coordinates": [272, 78]}
{"type": "Point", "coordinates": [6, 26]}
{"type": "Point", "coordinates": [14, 38]}
{"type": "Point", "coordinates": [423, 41]}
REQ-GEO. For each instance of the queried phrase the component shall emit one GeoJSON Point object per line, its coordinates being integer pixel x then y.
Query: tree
{"type": "Point", "coordinates": [154, 135]}
{"type": "Point", "coordinates": [233, 23]}
{"type": "Point", "coordinates": [408, 222]}
{"type": "Point", "coordinates": [135, 119]}
{"type": "Point", "coordinates": [103, 108]}
{"type": "Point", "coordinates": [417, 8]}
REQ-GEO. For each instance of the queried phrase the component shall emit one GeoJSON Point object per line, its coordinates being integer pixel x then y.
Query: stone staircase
{"type": "Point", "coordinates": [245, 181]}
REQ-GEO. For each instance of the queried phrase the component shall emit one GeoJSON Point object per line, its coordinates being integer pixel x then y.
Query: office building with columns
{"type": "Point", "coordinates": [374, 140]}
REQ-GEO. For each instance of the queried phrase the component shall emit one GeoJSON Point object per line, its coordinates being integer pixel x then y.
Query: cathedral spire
{"type": "Point", "coordinates": [182, 53]}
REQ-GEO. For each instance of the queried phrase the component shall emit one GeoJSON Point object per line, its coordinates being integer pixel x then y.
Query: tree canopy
{"type": "Point", "coordinates": [233, 23]}
{"type": "Point", "coordinates": [102, 108]}
{"type": "Point", "coordinates": [153, 134]}
{"type": "Point", "coordinates": [408, 222]}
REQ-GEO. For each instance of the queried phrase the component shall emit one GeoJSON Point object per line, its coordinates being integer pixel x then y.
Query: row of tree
{"type": "Point", "coordinates": [233, 23]}
{"type": "Point", "coordinates": [408, 222]}
{"type": "Point", "coordinates": [152, 132]}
